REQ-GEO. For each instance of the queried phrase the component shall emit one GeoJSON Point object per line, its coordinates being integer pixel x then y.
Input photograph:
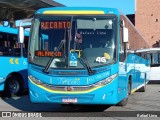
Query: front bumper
{"type": "Point", "coordinates": [101, 95]}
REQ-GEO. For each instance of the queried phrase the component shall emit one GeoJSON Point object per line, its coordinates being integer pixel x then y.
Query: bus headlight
{"type": "Point", "coordinates": [35, 80]}
{"type": "Point", "coordinates": [106, 81]}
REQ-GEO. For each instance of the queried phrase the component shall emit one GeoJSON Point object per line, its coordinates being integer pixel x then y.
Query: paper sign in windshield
{"type": "Point", "coordinates": [73, 59]}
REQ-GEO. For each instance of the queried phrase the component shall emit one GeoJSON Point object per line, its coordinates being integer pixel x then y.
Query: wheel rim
{"type": "Point", "coordinates": [14, 86]}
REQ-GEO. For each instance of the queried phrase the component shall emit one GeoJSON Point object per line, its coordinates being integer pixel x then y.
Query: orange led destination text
{"type": "Point", "coordinates": [48, 54]}
{"type": "Point", "coordinates": [55, 25]}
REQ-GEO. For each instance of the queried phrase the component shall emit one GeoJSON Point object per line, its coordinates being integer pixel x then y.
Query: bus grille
{"type": "Point", "coordinates": [64, 88]}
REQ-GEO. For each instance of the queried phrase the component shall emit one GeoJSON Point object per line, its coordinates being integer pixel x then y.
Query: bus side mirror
{"type": "Point", "coordinates": [21, 34]}
{"type": "Point", "coordinates": [125, 34]}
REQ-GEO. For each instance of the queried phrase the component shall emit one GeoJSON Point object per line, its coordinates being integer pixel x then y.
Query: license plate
{"type": "Point", "coordinates": [69, 100]}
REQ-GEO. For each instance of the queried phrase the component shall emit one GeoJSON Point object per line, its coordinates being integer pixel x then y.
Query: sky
{"type": "Point", "coordinates": [126, 6]}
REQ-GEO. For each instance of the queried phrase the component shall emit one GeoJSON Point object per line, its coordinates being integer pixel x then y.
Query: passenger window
{"type": "Point", "coordinates": [122, 55]}
{"type": "Point", "coordinates": [9, 45]}
{"type": "Point", "coordinates": [143, 55]}
{"type": "Point", "coordinates": [155, 58]}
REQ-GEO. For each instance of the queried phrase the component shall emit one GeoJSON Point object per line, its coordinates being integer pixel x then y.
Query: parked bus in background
{"type": "Point", "coordinates": [144, 53]}
{"type": "Point", "coordinates": [13, 60]}
{"type": "Point", "coordinates": [155, 64]}
{"type": "Point", "coordinates": [83, 57]}
{"type": "Point", "coordinates": [154, 55]}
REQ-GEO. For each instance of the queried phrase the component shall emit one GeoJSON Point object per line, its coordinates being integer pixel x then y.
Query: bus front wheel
{"type": "Point", "coordinates": [13, 86]}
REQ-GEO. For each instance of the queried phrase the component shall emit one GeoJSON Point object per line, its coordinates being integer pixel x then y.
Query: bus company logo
{"type": "Point", "coordinates": [69, 73]}
{"type": "Point", "coordinates": [68, 88]}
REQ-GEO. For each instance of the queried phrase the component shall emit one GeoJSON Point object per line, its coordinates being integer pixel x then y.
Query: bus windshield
{"type": "Point", "coordinates": [73, 41]}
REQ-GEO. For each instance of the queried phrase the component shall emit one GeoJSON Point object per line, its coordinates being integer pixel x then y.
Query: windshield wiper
{"type": "Point", "coordinates": [84, 60]}
{"type": "Point", "coordinates": [45, 70]}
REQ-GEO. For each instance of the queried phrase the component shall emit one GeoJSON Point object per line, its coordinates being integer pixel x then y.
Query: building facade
{"type": "Point", "coordinates": [147, 20]}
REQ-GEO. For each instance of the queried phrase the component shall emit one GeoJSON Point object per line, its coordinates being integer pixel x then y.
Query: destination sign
{"type": "Point", "coordinates": [55, 25]}
{"type": "Point", "coordinates": [40, 53]}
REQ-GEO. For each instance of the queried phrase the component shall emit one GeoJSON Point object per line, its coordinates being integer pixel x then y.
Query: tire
{"type": "Point", "coordinates": [13, 86]}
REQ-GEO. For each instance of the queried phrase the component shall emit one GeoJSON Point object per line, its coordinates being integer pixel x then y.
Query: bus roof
{"type": "Point", "coordinates": [143, 50]}
{"type": "Point", "coordinates": [148, 50]}
{"type": "Point", "coordinates": [154, 49]}
{"type": "Point", "coordinates": [78, 10]}
{"type": "Point", "coordinates": [11, 30]}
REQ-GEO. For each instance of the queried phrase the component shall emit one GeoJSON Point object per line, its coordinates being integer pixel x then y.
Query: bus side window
{"type": "Point", "coordinates": [158, 58]}
{"type": "Point", "coordinates": [149, 57]}
{"type": "Point", "coordinates": [138, 54]}
{"type": "Point", "coordinates": [17, 51]}
{"type": "Point", "coordinates": [24, 52]}
{"type": "Point", "coordinates": [1, 50]}
{"type": "Point", "coordinates": [143, 55]}
{"type": "Point", "coordinates": [122, 46]}
{"type": "Point", "coordinates": [155, 58]}
{"type": "Point", "coordinates": [25, 46]}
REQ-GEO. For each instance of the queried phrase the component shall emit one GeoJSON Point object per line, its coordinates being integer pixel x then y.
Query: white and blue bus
{"type": "Point", "coordinates": [153, 54]}
{"type": "Point", "coordinates": [79, 55]}
{"type": "Point", "coordinates": [13, 60]}
{"type": "Point", "coordinates": [155, 64]}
